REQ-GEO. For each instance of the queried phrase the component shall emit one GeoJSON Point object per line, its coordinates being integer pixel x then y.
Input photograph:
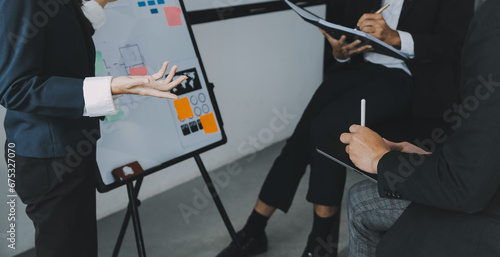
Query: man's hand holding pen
{"type": "Point", "coordinates": [375, 25]}
{"type": "Point", "coordinates": [365, 147]}
{"type": "Point", "coordinates": [370, 23]}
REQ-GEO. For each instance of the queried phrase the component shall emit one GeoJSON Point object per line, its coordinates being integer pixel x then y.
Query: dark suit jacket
{"type": "Point", "coordinates": [45, 53]}
{"type": "Point", "coordinates": [456, 191]}
{"type": "Point", "coordinates": [438, 28]}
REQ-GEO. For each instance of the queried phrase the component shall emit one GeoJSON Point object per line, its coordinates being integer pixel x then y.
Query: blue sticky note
{"type": "Point", "coordinates": [161, 1]}
{"type": "Point", "coordinates": [154, 11]}
{"type": "Point", "coordinates": [142, 4]}
{"type": "Point", "coordinates": [152, 2]}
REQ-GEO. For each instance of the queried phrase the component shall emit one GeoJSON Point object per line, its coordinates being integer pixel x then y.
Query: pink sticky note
{"type": "Point", "coordinates": [138, 71]}
{"type": "Point", "coordinates": [173, 15]}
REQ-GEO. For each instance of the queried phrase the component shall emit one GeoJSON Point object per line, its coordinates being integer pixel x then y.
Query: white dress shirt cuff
{"type": "Point", "coordinates": [98, 98]}
{"type": "Point", "coordinates": [95, 13]}
{"type": "Point", "coordinates": [343, 60]}
{"type": "Point", "coordinates": [407, 44]}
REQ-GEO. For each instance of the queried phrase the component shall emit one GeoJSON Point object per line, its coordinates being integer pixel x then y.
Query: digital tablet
{"type": "Point", "coordinates": [335, 150]}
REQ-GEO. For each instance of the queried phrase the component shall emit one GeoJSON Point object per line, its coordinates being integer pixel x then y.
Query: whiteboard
{"type": "Point", "coordinates": [138, 37]}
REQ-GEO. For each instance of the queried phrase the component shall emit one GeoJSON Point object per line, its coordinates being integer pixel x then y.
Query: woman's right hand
{"type": "Point", "coordinates": [151, 85]}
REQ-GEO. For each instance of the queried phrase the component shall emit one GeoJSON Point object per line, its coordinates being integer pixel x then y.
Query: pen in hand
{"type": "Point", "coordinates": [378, 12]}
{"type": "Point", "coordinates": [363, 112]}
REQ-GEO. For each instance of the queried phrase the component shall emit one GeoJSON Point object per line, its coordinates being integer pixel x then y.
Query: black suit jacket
{"type": "Point", "coordinates": [438, 28]}
{"type": "Point", "coordinates": [456, 191]}
{"type": "Point", "coordinates": [45, 53]}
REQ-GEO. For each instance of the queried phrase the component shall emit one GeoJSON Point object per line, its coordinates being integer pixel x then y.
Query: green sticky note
{"type": "Point", "coordinates": [119, 116]}
{"type": "Point", "coordinates": [99, 64]}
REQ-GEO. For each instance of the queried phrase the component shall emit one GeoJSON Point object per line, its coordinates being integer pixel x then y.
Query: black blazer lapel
{"type": "Point", "coordinates": [408, 4]}
{"type": "Point", "coordinates": [88, 31]}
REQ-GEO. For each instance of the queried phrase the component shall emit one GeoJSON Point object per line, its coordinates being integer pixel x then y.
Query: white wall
{"type": "Point", "coordinates": [195, 5]}
{"type": "Point", "coordinates": [24, 227]}
{"type": "Point", "coordinates": [260, 65]}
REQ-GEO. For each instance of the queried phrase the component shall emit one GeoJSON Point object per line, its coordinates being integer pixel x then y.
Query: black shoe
{"type": "Point", "coordinates": [312, 251]}
{"type": "Point", "coordinates": [251, 245]}
{"type": "Point", "coordinates": [307, 254]}
{"type": "Point", "coordinates": [321, 247]}
{"type": "Point", "coordinates": [310, 254]}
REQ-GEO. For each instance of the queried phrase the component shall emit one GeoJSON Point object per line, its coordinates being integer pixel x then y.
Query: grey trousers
{"type": "Point", "coordinates": [370, 216]}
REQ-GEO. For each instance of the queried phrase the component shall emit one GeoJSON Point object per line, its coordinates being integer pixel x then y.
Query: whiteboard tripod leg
{"type": "Point", "coordinates": [132, 211]}
{"type": "Point", "coordinates": [218, 203]}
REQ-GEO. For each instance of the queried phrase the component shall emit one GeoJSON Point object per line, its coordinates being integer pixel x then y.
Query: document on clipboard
{"type": "Point", "coordinates": [351, 34]}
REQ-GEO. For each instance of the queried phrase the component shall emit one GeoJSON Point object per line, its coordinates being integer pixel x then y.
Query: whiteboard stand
{"type": "Point", "coordinates": [141, 134]}
{"type": "Point", "coordinates": [218, 203]}
{"type": "Point", "coordinates": [132, 211]}
{"type": "Point", "coordinates": [134, 202]}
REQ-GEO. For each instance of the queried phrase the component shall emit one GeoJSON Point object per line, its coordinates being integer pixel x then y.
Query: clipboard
{"type": "Point", "coordinates": [351, 34]}
{"type": "Point", "coordinates": [335, 150]}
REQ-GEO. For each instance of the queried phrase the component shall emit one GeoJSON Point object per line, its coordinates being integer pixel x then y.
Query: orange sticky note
{"type": "Point", "coordinates": [173, 15]}
{"type": "Point", "coordinates": [138, 71]}
{"type": "Point", "coordinates": [209, 124]}
{"type": "Point", "coordinates": [183, 108]}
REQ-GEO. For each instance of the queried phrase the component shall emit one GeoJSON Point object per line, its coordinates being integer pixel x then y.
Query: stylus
{"type": "Point", "coordinates": [363, 112]}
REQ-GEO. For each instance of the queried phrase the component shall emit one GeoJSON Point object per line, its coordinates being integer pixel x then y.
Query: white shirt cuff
{"type": "Point", "coordinates": [407, 44]}
{"type": "Point", "coordinates": [343, 60]}
{"type": "Point", "coordinates": [95, 13]}
{"type": "Point", "coordinates": [98, 98]}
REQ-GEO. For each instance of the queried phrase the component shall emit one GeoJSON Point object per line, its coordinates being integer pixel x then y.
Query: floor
{"type": "Point", "coordinates": [184, 222]}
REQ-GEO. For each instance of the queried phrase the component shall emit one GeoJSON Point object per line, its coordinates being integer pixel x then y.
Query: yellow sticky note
{"type": "Point", "coordinates": [183, 108]}
{"type": "Point", "coordinates": [209, 124]}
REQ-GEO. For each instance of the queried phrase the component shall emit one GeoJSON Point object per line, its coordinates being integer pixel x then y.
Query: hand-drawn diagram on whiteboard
{"type": "Point", "coordinates": [138, 37]}
{"type": "Point", "coordinates": [125, 60]}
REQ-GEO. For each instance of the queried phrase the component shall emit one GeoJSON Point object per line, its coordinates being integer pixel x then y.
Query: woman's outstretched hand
{"type": "Point", "coordinates": [151, 85]}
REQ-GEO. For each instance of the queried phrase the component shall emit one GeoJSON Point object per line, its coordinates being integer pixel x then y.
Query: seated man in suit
{"type": "Point", "coordinates": [388, 85]}
{"type": "Point", "coordinates": [447, 203]}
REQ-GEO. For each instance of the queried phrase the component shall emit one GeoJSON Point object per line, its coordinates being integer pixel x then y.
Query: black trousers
{"type": "Point", "coordinates": [60, 195]}
{"type": "Point", "coordinates": [333, 108]}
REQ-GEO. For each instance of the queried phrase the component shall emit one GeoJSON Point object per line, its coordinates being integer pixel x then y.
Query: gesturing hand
{"type": "Point", "coordinates": [375, 25]}
{"type": "Point", "coordinates": [365, 147]}
{"type": "Point", "coordinates": [342, 50]}
{"type": "Point", "coordinates": [148, 85]}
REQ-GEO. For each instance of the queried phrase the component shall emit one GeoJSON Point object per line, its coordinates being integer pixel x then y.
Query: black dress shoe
{"type": "Point", "coordinates": [310, 251]}
{"type": "Point", "coordinates": [251, 246]}
{"type": "Point", "coordinates": [310, 254]}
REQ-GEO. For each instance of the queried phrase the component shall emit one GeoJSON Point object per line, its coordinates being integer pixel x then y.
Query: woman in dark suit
{"type": "Point", "coordinates": [53, 100]}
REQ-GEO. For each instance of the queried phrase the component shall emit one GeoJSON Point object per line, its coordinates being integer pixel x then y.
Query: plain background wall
{"type": "Point", "coordinates": [260, 65]}
{"type": "Point", "coordinates": [196, 5]}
